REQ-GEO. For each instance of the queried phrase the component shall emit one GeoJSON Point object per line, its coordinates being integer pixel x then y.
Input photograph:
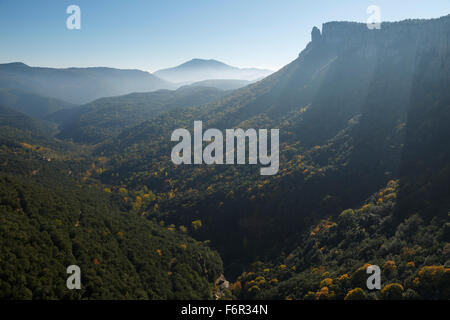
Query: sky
{"type": "Point", "coordinates": [155, 34]}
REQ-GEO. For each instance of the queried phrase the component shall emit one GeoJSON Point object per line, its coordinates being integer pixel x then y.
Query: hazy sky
{"type": "Point", "coordinates": [154, 34]}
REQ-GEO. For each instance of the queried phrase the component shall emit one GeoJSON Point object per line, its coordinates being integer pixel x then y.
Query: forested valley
{"type": "Point", "coordinates": [364, 180]}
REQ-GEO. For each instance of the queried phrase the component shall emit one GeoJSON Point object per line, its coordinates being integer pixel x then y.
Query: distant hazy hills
{"type": "Point", "coordinates": [29, 89]}
{"type": "Point", "coordinates": [199, 69]}
{"type": "Point", "coordinates": [78, 85]}
{"type": "Point", "coordinates": [113, 99]}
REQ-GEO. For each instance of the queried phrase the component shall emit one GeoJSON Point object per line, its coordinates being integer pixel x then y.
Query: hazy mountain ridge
{"type": "Point", "coordinates": [78, 85]}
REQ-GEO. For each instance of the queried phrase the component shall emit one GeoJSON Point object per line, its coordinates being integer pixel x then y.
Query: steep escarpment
{"type": "Point", "coordinates": [409, 85]}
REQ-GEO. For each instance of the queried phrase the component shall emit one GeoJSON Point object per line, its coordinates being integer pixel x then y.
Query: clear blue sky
{"type": "Point", "coordinates": [154, 34]}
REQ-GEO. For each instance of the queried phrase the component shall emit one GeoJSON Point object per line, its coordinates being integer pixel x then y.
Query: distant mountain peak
{"type": "Point", "coordinates": [14, 65]}
{"type": "Point", "coordinates": [196, 70]}
{"type": "Point", "coordinates": [201, 63]}
{"type": "Point", "coordinates": [198, 60]}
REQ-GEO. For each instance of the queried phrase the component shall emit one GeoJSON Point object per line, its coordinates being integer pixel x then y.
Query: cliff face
{"type": "Point", "coordinates": [405, 68]}
{"type": "Point", "coordinates": [353, 32]}
{"type": "Point", "coordinates": [412, 33]}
